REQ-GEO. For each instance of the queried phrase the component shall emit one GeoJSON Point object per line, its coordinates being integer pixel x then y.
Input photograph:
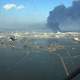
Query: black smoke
{"type": "Point", "coordinates": [65, 19]}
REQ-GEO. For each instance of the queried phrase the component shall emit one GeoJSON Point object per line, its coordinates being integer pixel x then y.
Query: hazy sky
{"type": "Point", "coordinates": [28, 11]}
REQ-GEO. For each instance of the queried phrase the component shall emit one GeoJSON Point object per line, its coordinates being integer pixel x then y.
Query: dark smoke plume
{"type": "Point", "coordinates": [65, 19]}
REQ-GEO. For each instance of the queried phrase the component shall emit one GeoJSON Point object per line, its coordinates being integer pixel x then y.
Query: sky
{"type": "Point", "coordinates": [27, 11]}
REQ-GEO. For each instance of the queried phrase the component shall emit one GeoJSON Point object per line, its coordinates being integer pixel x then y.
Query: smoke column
{"type": "Point", "coordinates": [65, 19]}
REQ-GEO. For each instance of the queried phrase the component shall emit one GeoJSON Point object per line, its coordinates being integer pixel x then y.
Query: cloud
{"type": "Point", "coordinates": [11, 6]}
{"type": "Point", "coordinates": [20, 7]}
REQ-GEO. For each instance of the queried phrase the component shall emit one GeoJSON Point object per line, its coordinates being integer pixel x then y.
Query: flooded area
{"type": "Point", "coordinates": [42, 56]}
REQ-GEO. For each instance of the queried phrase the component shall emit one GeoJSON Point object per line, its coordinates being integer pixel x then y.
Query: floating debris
{"type": "Point", "coordinates": [36, 40]}
{"type": "Point", "coordinates": [77, 39]}
{"type": "Point", "coordinates": [12, 38]}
